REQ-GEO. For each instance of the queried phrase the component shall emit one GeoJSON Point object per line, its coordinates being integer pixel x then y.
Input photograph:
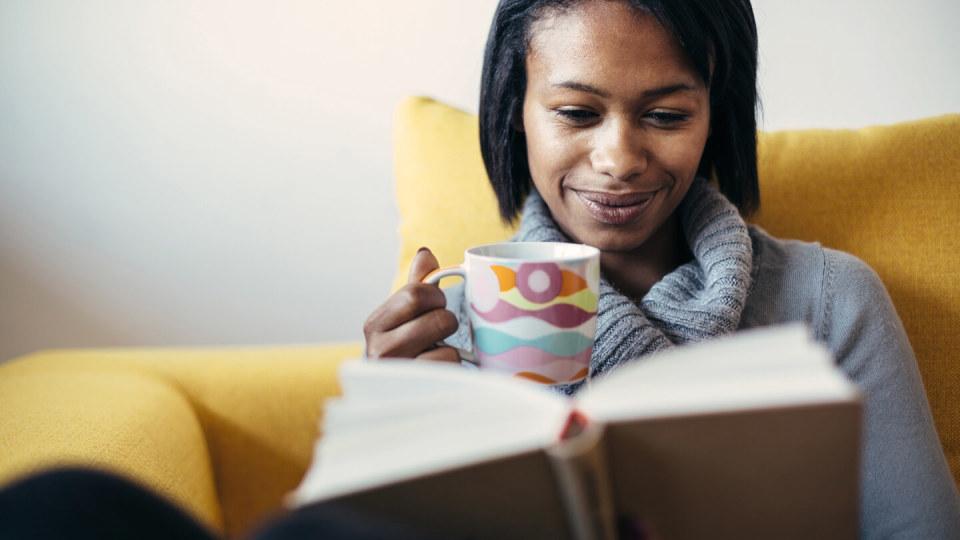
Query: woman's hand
{"type": "Point", "coordinates": [413, 320]}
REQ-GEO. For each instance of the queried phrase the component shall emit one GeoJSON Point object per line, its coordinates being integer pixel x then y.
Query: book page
{"type": "Point", "coordinates": [768, 367]}
{"type": "Point", "coordinates": [398, 420]}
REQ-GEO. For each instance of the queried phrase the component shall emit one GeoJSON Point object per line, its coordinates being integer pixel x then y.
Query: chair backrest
{"type": "Point", "coordinates": [890, 195]}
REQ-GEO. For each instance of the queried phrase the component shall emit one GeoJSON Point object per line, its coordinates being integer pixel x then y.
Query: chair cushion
{"type": "Point", "coordinates": [444, 199]}
{"type": "Point", "coordinates": [225, 432]}
{"type": "Point", "coordinates": [123, 422]}
{"type": "Point", "coordinates": [888, 194]}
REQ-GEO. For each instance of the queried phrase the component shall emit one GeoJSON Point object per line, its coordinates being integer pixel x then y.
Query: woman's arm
{"type": "Point", "coordinates": [907, 490]}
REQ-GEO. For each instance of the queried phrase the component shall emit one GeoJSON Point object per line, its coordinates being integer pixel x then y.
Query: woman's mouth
{"type": "Point", "coordinates": [614, 208]}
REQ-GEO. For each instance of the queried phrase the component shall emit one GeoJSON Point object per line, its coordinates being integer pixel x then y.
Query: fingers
{"type": "Point", "coordinates": [411, 301]}
{"type": "Point", "coordinates": [413, 337]}
{"type": "Point", "coordinates": [441, 354]}
{"type": "Point", "coordinates": [408, 303]}
{"type": "Point", "coordinates": [412, 320]}
{"type": "Point", "coordinates": [422, 264]}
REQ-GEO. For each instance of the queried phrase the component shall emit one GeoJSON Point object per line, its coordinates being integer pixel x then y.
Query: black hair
{"type": "Point", "coordinates": [719, 38]}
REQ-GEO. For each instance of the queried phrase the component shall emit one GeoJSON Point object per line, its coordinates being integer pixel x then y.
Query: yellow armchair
{"type": "Point", "coordinates": [225, 433]}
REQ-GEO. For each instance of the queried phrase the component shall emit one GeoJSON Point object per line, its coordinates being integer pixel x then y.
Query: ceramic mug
{"type": "Point", "coordinates": [532, 307]}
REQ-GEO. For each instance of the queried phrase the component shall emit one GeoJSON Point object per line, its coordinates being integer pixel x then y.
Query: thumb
{"type": "Point", "coordinates": [423, 263]}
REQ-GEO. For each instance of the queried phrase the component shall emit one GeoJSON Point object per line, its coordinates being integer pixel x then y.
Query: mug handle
{"type": "Point", "coordinates": [433, 278]}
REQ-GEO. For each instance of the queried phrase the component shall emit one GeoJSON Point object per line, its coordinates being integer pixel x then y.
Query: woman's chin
{"type": "Point", "coordinates": [617, 245]}
{"type": "Point", "coordinates": [610, 240]}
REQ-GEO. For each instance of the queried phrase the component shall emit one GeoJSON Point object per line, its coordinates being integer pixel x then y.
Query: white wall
{"type": "Point", "coordinates": [184, 173]}
{"type": "Point", "coordinates": [852, 63]}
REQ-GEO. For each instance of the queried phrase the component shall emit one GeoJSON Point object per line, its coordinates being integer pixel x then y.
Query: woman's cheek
{"type": "Point", "coordinates": [550, 155]}
{"type": "Point", "coordinates": [682, 155]}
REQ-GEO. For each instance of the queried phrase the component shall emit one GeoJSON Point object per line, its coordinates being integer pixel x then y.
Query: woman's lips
{"type": "Point", "coordinates": [614, 208]}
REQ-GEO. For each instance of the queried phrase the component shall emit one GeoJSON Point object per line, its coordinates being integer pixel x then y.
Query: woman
{"type": "Point", "coordinates": [599, 120]}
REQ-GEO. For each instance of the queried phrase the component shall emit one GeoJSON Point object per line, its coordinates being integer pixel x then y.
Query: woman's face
{"type": "Point", "coordinates": [615, 122]}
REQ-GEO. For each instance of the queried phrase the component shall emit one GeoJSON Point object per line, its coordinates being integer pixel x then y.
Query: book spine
{"type": "Point", "coordinates": [579, 466]}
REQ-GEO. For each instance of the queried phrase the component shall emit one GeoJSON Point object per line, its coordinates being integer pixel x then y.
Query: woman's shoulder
{"type": "Point", "coordinates": [798, 280]}
{"type": "Point", "coordinates": [794, 255]}
{"type": "Point", "coordinates": [799, 256]}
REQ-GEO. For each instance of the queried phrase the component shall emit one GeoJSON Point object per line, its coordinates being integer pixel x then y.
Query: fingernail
{"type": "Point", "coordinates": [424, 248]}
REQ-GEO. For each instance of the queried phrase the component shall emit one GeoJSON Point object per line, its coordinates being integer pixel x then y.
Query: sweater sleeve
{"type": "Point", "coordinates": [906, 487]}
{"type": "Point", "coordinates": [456, 304]}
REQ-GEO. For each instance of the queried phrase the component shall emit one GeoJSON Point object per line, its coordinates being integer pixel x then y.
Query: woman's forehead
{"type": "Point", "coordinates": [599, 41]}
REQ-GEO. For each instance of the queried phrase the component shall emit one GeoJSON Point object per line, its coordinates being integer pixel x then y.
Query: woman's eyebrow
{"type": "Point", "coordinates": [581, 87]}
{"type": "Point", "coordinates": [647, 94]}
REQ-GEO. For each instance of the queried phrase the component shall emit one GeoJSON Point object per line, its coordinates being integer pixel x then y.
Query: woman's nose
{"type": "Point", "coordinates": [618, 151]}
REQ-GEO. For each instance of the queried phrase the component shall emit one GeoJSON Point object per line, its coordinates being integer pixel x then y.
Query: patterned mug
{"type": "Point", "coordinates": [532, 307]}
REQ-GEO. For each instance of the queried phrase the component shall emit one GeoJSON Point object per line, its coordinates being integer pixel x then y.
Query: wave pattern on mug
{"type": "Point", "coordinates": [559, 315]}
{"type": "Point", "coordinates": [494, 342]}
{"type": "Point", "coordinates": [530, 328]}
{"type": "Point", "coordinates": [585, 300]}
{"type": "Point", "coordinates": [543, 379]}
{"type": "Point", "coordinates": [533, 360]}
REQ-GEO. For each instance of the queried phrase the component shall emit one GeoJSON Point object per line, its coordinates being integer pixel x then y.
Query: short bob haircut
{"type": "Point", "coordinates": [717, 33]}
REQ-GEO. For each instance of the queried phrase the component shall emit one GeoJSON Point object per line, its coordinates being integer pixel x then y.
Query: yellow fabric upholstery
{"type": "Point", "coordinates": [224, 433]}
{"type": "Point", "coordinates": [443, 195]}
{"type": "Point", "coordinates": [890, 195]}
{"type": "Point", "coordinates": [143, 428]}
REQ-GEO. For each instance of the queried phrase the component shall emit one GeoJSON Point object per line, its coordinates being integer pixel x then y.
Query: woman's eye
{"type": "Point", "coordinates": [577, 116]}
{"type": "Point", "coordinates": [667, 119]}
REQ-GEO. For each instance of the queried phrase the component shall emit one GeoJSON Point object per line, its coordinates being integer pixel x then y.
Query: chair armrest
{"type": "Point", "coordinates": [257, 410]}
{"type": "Point", "coordinates": [126, 423]}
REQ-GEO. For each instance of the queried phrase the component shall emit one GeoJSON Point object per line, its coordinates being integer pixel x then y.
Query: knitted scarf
{"type": "Point", "coordinates": [700, 299]}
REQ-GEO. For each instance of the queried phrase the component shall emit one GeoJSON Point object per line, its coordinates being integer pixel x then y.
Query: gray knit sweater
{"type": "Point", "coordinates": [906, 487]}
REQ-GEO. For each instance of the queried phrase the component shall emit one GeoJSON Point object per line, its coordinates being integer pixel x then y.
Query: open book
{"type": "Point", "coordinates": [751, 436]}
